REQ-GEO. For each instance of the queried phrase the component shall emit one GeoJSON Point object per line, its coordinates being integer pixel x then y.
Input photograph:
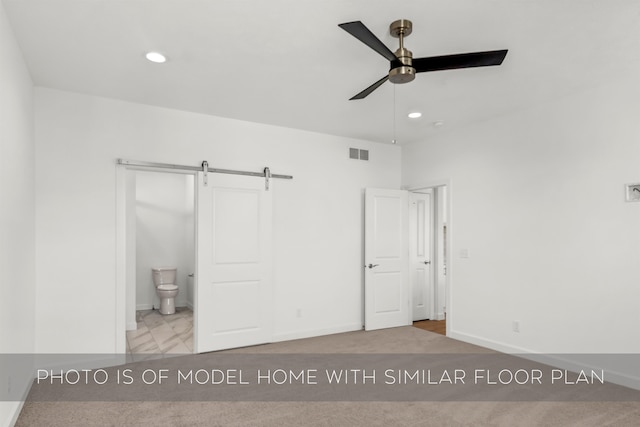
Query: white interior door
{"type": "Point", "coordinates": [234, 296]}
{"type": "Point", "coordinates": [386, 259]}
{"type": "Point", "coordinates": [420, 243]}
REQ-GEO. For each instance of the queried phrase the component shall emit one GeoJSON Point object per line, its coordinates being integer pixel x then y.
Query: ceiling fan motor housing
{"type": "Point", "coordinates": [402, 73]}
{"type": "Point", "coordinates": [401, 70]}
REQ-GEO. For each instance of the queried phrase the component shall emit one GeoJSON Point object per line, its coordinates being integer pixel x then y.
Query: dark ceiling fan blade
{"type": "Point", "coordinates": [358, 30]}
{"type": "Point", "coordinates": [462, 60]}
{"type": "Point", "coordinates": [370, 89]}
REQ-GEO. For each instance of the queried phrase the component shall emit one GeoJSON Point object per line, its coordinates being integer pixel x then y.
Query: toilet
{"type": "Point", "coordinates": [164, 279]}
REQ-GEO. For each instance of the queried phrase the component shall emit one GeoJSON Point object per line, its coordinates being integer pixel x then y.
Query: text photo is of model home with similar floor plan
{"type": "Point", "coordinates": [271, 164]}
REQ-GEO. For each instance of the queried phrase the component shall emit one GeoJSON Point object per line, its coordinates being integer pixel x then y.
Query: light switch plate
{"type": "Point", "coordinates": [633, 192]}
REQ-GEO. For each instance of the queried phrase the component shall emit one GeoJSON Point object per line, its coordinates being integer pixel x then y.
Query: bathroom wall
{"type": "Point", "coordinates": [164, 232]}
{"type": "Point", "coordinates": [17, 222]}
{"type": "Point", "coordinates": [317, 215]}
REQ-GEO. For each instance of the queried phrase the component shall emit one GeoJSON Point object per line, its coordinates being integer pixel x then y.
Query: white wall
{"type": "Point", "coordinates": [317, 220]}
{"type": "Point", "coordinates": [537, 199]}
{"type": "Point", "coordinates": [165, 233]}
{"type": "Point", "coordinates": [17, 211]}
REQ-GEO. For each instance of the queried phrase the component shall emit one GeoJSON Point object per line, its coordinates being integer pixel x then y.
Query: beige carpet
{"type": "Point", "coordinates": [406, 340]}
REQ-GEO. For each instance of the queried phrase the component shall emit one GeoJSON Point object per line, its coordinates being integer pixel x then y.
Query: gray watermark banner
{"type": "Point", "coordinates": [330, 377]}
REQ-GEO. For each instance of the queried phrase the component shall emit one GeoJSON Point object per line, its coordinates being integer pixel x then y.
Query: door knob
{"type": "Point", "coordinates": [427, 262]}
{"type": "Point", "coordinates": [373, 265]}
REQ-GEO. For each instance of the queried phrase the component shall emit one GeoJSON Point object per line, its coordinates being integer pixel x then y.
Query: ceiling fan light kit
{"type": "Point", "coordinates": [403, 67]}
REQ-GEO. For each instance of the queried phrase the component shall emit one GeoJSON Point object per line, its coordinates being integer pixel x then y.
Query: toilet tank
{"type": "Point", "coordinates": [163, 275]}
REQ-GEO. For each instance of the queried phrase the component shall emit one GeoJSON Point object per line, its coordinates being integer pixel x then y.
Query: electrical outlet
{"type": "Point", "coordinates": [516, 326]}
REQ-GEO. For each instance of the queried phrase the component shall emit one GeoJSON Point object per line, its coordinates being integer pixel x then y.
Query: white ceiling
{"type": "Point", "coordinates": [287, 63]}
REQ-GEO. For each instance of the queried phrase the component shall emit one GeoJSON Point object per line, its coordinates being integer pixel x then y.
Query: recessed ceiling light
{"type": "Point", "coordinates": [415, 115]}
{"type": "Point", "coordinates": [437, 123]}
{"type": "Point", "coordinates": [156, 57]}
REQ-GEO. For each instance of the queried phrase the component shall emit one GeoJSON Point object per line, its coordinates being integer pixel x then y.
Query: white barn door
{"type": "Point", "coordinates": [234, 294]}
{"type": "Point", "coordinates": [386, 259]}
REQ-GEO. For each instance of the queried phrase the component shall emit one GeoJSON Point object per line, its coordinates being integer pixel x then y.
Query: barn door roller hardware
{"type": "Point", "coordinates": [205, 169]}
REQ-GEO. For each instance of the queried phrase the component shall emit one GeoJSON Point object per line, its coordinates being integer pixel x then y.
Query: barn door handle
{"type": "Point", "coordinates": [372, 265]}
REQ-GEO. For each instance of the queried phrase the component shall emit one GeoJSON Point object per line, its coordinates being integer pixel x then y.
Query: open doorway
{"type": "Point", "coordinates": [160, 232]}
{"type": "Point", "coordinates": [232, 219]}
{"type": "Point", "coordinates": [428, 259]}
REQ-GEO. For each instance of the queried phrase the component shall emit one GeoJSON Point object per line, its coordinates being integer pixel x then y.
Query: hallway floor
{"type": "Point", "coordinates": [162, 334]}
{"type": "Point", "coordinates": [437, 326]}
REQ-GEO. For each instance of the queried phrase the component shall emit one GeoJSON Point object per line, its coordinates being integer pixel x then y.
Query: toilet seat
{"type": "Point", "coordinates": [167, 288]}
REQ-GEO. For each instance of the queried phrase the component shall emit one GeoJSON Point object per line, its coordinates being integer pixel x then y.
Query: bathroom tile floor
{"type": "Point", "coordinates": [161, 334]}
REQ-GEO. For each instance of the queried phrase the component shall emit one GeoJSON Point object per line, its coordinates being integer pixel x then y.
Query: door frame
{"type": "Point", "coordinates": [123, 247]}
{"type": "Point", "coordinates": [438, 217]}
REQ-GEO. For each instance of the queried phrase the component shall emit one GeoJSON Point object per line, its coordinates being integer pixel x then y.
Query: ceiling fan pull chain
{"type": "Point", "coordinates": [394, 140]}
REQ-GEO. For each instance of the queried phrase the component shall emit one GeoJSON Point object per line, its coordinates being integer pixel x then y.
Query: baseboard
{"type": "Point", "coordinates": [65, 362]}
{"type": "Point", "coordinates": [12, 411]}
{"type": "Point", "coordinates": [151, 307]}
{"type": "Point", "coordinates": [612, 374]}
{"type": "Point", "coordinates": [483, 342]}
{"type": "Point", "coordinates": [15, 407]}
{"type": "Point", "coordinates": [288, 336]}
{"type": "Point", "coordinates": [569, 362]}
{"type": "Point", "coordinates": [132, 326]}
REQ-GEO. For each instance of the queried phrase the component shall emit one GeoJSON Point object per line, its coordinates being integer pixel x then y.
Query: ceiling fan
{"type": "Point", "coordinates": [403, 67]}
